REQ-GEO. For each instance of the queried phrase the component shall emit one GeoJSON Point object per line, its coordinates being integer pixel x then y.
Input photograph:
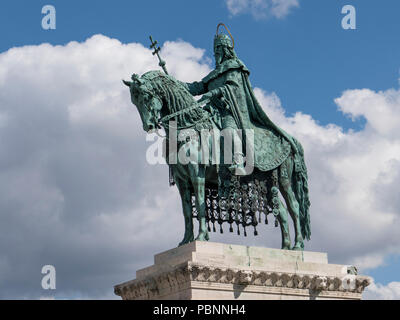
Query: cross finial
{"type": "Point", "coordinates": [156, 51]}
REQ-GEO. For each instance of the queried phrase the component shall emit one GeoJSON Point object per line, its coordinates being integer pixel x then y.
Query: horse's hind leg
{"type": "Point", "coordinates": [283, 222]}
{"type": "Point", "coordinates": [198, 182]}
{"type": "Point", "coordinates": [285, 174]}
{"type": "Point", "coordinates": [186, 197]}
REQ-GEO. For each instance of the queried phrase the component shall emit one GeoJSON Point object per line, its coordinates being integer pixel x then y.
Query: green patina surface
{"type": "Point", "coordinates": [227, 102]}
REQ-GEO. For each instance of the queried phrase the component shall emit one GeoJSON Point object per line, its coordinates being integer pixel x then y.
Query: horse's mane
{"type": "Point", "coordinates": [175, 96]}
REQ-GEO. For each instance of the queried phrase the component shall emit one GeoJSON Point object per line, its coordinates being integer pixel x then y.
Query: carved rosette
{"type": "Point", "coordinates": [180, 278]}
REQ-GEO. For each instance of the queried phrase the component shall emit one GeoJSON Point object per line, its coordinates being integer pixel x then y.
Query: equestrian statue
{"type": "Point", "coordinates": [240, 186]}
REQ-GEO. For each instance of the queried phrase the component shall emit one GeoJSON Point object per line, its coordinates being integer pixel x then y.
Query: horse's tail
{"type": "Point", "coordinates": [300, 188]}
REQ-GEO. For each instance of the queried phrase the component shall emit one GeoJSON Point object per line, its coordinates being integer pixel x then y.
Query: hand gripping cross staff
{"type": "Point", "coordinates": [162, 65]}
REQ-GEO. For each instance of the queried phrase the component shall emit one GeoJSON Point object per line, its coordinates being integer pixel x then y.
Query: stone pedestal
{"type": "Point", "coordinates": [217, 271]}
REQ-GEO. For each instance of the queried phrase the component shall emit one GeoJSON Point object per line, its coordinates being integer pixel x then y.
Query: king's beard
{"type": "Point", "coordinates": [219, 60]}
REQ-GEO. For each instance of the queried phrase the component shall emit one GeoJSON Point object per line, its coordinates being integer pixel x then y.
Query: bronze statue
{"type": "Point", "coordinates": [223, 191]}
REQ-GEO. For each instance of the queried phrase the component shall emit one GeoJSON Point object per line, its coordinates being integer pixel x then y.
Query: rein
{"type": "Point", "coordinates": [164, 120]}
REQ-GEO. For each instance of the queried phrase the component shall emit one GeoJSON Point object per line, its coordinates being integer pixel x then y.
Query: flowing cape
{"type": "Point", "coordinates": [272, 145]}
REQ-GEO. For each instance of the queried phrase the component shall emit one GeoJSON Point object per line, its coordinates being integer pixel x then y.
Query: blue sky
{"type": "Point", "coordinates": [305, 57]}
{"type": "Point", "coordinates": [388, 272]}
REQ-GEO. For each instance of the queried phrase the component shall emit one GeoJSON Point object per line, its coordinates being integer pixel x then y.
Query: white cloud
{"type": "Point", "coordinates": [380, 292]}
{"type": "Point", "coordinates": [262, 8]}
{"type": "Point", "coordinates": [75, 189]}
{"type": "Point", "coordinates": [353, 176]}
{"type": "Point", "coordinates": [77, 193]}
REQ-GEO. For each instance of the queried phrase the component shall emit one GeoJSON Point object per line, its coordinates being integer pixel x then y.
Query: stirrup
{"type": "Point", "coordinates": [237, 170]}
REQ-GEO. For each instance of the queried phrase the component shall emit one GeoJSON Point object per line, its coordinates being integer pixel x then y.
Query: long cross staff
{"type": "Point", "coordinates": [162, 65]}
{"type": "Point", "coordinates": [156, 51]}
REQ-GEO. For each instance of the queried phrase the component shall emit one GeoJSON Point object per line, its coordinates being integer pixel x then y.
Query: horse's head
{"type": "Point", "coordinates": [148, 105]}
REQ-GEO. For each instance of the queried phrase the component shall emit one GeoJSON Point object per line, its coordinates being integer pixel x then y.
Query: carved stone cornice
{"type": "Point", "coordinates": [180, 277]}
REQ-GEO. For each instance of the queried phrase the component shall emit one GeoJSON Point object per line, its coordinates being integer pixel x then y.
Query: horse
{"type": "Point", "coordinates": [160, 97]}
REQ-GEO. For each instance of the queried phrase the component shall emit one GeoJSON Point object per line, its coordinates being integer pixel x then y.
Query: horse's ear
{"type": "Point", "coordinates": [127, 83]}
{"type": "Point", "coordinates": [136, 79]}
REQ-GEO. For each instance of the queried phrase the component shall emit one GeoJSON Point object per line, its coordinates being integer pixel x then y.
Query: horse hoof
{"type": "Point", "coordinates": [297, 248]}
{"type": "Point", "coordinates": [203, 237]}
{"type": "Point", "coordinates": [183, 242]}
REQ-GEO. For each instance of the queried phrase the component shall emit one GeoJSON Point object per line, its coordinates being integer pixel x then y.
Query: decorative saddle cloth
{"type": "Point", "coordinates": [270, 149]}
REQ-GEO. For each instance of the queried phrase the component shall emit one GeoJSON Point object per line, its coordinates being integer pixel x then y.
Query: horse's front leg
{"type": "Point", "coordinates": [291, 201]}
{"type": "Point", "coordinates": [283, 222]}
{"type": "Point", "coordinates": [186, 197]}
{"type": "Point", "coordinates": [198, 182]}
